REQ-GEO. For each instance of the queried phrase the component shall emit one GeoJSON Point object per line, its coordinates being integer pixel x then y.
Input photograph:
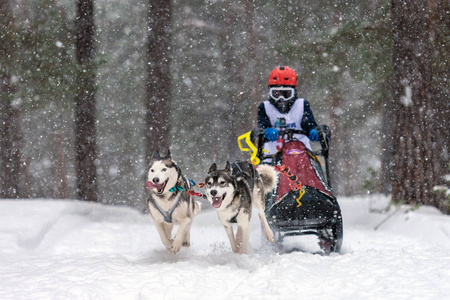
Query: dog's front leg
{"type": "Point", "coordinates": [181, 234]}
{"type": "Point", "coordinates": [242, 237]}
{"type": "Point", "coordinates": [162, 233]}
{"type": "Point", "coordinates": [230, 234]}
{"type": "Point", "coordinates": [239, 239]}
{"type": "Point", "coordinates": [168, 228]}
{"type": "Point", "coordinates": [187, 236]}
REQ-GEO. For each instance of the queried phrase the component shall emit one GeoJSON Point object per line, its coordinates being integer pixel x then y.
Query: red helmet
{"type": "Point", "coordinates": [283, 76]}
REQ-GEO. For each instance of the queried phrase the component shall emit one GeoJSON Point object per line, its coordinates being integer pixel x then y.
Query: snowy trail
{"type": "Point", "coordinates": [77, 250]}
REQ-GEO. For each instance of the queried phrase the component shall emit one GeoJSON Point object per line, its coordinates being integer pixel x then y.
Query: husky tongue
{"type": "Point", "coordinates": [150, 185]}
{"type": "Point", "coordinates": [217, 202]}
{"type": "Point", "coordinates": [158, 186]}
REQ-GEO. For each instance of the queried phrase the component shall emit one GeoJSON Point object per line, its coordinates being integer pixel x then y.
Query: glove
{"type": "Point", "coordinates": [271, 134]}
{"type": "Point", "coordinates": [313, 136]}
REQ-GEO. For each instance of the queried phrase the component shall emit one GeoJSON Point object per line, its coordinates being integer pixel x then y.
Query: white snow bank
{"type": "Point", "coordinates": [54, 249]}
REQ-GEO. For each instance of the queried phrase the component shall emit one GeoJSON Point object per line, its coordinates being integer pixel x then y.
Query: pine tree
{"type": "Point", "coordinates": [85, 120]}
{"type": "Point", "coordinates": [158, 86]}
{"type": "Point", "coordinates": [415, 172]}
{"type": "Point", "coordinates": [10, 131]}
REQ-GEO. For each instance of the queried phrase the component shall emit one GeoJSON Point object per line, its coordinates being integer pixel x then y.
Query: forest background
{"type": "Point", "coordinates": [220, 54]}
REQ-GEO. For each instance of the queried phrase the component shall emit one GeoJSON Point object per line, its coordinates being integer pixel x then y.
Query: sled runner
{"type": "Point", "coordinates": [303, 202]}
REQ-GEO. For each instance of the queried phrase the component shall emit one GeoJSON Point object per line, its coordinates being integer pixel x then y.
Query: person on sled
{"type": "Point", "coordinates": [283, 103]}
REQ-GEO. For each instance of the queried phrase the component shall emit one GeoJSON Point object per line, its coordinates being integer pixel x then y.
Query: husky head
{"type": "Point", "coordinates": [220, 186]}
{"type": "Point", "coordinates": [163, 173]}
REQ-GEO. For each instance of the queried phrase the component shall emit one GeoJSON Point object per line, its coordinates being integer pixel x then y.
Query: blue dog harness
{"type": "Point", "coordinates": [168, 214]}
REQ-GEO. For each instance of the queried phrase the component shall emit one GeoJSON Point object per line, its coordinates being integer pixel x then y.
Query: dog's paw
{"type": "Point", "coordinates": [168, 244]}
{"type": "Point", "coordinates": [237, 248]}
{"type": "Point", "coordinates": [176, 246]}
{"type": "Point", "coordinates": [186, 244]}
{"type": "Point", "coordinates": [269, 236]}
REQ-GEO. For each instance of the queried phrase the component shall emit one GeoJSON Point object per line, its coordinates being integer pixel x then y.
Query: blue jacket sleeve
{"type": "Point", "coordinates": [308, 121]}
{"type": "Point", "coordinates": [263, 119]}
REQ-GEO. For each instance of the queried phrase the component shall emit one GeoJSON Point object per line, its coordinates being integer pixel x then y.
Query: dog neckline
{"type": "Point", "coordinates": [167, 214]}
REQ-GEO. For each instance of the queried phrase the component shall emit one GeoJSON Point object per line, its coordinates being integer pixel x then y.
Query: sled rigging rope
{"type": "Point", "coordinates": [189, 191]}
{"type": "Point", "coordinates": [178, 187]}
{"type": "Point", "coordinates": [294, 183]}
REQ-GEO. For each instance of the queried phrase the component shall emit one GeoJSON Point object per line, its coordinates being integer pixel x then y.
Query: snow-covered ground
{"type": "Point", "coordinates": [77, 250]}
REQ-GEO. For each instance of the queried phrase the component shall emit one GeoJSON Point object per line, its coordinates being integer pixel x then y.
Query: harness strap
{"type": "Point", "coordinates": [190, 184]}
{"type": "Point", "coordinates": [167, 214]}
{"type": "Point", "coordinates": [242, 175]}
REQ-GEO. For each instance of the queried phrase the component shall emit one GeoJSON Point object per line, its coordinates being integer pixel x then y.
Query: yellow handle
{"type": "Point", "coordinates": [300, 195]}
{"type": "Point", "coordinates": [253, 150]}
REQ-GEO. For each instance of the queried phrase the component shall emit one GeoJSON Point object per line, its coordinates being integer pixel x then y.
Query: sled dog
{"type": "Point", "coordinates": [233, 191]}
{"type": "Point", "coordinates": [169, 202]}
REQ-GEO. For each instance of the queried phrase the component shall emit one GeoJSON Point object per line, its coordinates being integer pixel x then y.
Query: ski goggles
{"type": "Point", "coordinates": [282, 93]}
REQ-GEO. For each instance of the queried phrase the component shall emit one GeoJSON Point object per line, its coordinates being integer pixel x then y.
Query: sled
{"type": "Point", "coordinates": [303, 203]}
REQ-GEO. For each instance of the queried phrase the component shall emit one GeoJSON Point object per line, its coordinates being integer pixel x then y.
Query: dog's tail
{"type": "Point", "coordinates": [268, 176]}
{"type": "Point", "coordinates": [197, 207]}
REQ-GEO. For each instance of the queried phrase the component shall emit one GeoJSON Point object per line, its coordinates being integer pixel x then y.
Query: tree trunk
{"type": "Point", "coordinates": [230, 86]}
{"type": "Point", "coordinates": [387, 151]}
{"type": "Point", "coordinates": [252, 62]}
{"type": "Point", "coordinates": [10, 143]}
{"type": "Point", "coordinates": [159, 80]}
{"type": "Point", "coordinates": [337, 155]}
{"type": "Point", "coordinates": [10, 131]}
{"type": "Point", "coordinates": [415, 171]}
{"type": "Point", "coordinates": [60, 190]}
{"type": "Point", "coordinates": [85, 119]}
{"type": "Point", "coordinates": [440, 33]}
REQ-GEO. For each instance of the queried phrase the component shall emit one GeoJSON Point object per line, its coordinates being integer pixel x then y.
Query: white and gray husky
{"type": "Point", "coordinates": [169, 202]}
{"type": "Point", "coordinates": [233, 191]}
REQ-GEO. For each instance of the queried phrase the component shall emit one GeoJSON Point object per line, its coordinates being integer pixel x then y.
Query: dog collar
{"type": "Point", "coordinates": [190, 192]}
{"type": "Point", "coordinates": [177, 188]}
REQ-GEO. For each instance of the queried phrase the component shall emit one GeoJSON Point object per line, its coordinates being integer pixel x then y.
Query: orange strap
{"type": "Point", "coordinates": [294, 183]}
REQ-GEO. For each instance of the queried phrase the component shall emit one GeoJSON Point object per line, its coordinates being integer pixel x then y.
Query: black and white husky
{"type": "Point", "coordinates": [169, 202]}
{"type": "Point", "coordinates": [233, 191]}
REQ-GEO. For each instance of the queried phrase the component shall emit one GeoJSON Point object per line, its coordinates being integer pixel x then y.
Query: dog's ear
{"type": "Point", "coordinates": [228, 167]}
{"type": "Point", "coordinates": [156, 155]}
{"type": "Point", "coordinates": [213, 168]}
{"type": "Point", "coordinates": [167, 154]}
